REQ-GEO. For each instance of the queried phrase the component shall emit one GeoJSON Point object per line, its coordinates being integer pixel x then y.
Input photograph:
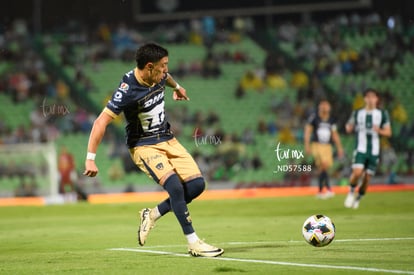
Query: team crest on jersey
{"type": "Point", "coordinates": [123, 87]}
{"type": "Point", "coordinates": [159, 166]}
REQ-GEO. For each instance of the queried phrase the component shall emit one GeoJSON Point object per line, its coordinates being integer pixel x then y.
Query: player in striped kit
{"type": "Point", "coordinates": [152, 145]}
{"type": "Point", "coordinates": [368, 124]}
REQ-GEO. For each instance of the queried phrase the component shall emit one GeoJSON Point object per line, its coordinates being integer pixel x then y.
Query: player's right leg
{"type": "Point", "coordinates": [200, 248]}
{"type": "Point", "coordinates": [365, 181]}
{"type": "Point", "coordinates": [153, 162]}
{"type": "Point", "coordinates": [146, 224]}
{"type": "Point", "coordinates": [357, 171]}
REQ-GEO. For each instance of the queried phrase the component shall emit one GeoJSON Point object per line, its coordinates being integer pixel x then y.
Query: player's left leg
{"type": "Point", "coordinates": [362, 190]}
{"type": "Point", "coordinates": [358, 166]}
{"type": "Point", "coordinates": [317, 156]}
{"type": "Point", "coordinates": [194, 185]}
{"type": "Point", "coordinates": [326, 162]}
{"type": "Point", "coordinates": [192, 189]}
{"type": "Point", "coordinates": [357, 172]}
{"type": "Point", "coordinates": [370, 171]}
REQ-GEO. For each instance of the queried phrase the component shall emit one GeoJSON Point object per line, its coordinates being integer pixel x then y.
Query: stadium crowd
{"type": "Point", "coordinates": [27, 78]}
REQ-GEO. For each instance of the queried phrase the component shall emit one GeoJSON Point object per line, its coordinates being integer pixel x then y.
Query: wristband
{"type": "Point", "coordinates": [90, 156]}
{"type": "Point", "coordinates": [177, 87]}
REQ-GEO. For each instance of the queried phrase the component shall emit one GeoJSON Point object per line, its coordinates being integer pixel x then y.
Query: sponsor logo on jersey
{"type": "Point", "coordinates": [123, 87]}
{"type": "Point", "coordinates": [153, 100]}
{"type": "Point", "coordinates": [159, 166]}
{"type": "Point", "coordinates": [118, 97]}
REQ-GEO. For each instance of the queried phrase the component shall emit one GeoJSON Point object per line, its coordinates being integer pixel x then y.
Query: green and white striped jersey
{"type": "Point", "coordinates": [367, 140]}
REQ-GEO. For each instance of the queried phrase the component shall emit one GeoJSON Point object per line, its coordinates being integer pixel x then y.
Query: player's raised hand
{"type": "Point", "coordinates": [91, 170]}
{"type": "Point", "coordinates": [180, 94]}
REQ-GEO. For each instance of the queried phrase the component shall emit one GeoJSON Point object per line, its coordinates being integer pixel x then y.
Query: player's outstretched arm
{"type": "Point", "coordinates": [179, 92]}
{"type": "Point", "coordinates": [337, 140]}
{"type": "Point", "coordinates": [307, 137]}
{"type": "Point", "coordinates": [97, 133]}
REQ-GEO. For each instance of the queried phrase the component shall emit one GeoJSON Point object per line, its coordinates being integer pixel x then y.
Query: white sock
{"type": "Point", "coordinates": [192, 238]}
{"type": "Point", "coordinates": [155, 213]}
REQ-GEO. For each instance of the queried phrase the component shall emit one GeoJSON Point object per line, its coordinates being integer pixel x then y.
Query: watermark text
{"type": "Point", "coordinates": [199, 139]}
{"type": "Point", "coordinates": [54, 109]}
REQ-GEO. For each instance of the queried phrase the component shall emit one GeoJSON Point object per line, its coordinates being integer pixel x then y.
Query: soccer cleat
{"type": "Point", "coordinates": [320, 195]}
{"type": "Point", "coordinates": [355, 205]}
{"type": "Point", "coordinates": [349, 201]}
{"type": "Point", "coordinates": [329, 194]}
{"type": "Point", "coordinates": [200, 248]}
{"type": "Point", "coordinates": [147, 223]}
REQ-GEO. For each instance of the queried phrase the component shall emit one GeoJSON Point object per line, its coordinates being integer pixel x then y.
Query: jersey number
{"type": "Point", "coordinates": [150, 120]}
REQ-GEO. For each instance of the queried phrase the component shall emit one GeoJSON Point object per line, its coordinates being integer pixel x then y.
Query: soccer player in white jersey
{"type": "Point", "coordinates": [368, 124]}
{"type": "Point", "coordinates": [152, 145]}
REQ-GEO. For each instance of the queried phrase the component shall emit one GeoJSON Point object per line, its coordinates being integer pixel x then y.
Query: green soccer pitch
{"type": "Point", "coordinates": [259, 236]}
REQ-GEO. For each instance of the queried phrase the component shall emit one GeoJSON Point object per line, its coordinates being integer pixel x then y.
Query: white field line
{"type": "Point", "coordinates": [289, 241]}
{"type": "Point", "coordinates": [342, 267]}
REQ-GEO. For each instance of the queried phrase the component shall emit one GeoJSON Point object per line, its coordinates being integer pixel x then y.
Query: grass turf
{"type": "Point", "coordinates": [75, 239]}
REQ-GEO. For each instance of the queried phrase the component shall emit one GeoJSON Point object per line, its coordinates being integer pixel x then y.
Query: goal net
{"type": "Point", "coordinates": [28, 170]}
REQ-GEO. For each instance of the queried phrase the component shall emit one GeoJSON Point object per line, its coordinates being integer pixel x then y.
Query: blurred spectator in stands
{"type": "Point", "coordinates": [358, 101]}
{"type": "Point", "coordinates": [261, 126]}
{"type": "Point", "coordinates": [62, 90]}
{"type": "Point", "coordinates": [209, 31]}
{"type": "Point", "coordinates": [276, 81]}
{"type": "Point", "coordinates": [125, 41]}
{"type": "Point", "coordinates": [287, 32]}
{"type": "Point", "coordinates": [196, 37]}
{"type": "Point", "coordinates": [38, 123]}
{"type": "Point", "coordinates": [212, 118]}
{"type": "Point", "coordinates": [286, 135]}
{"type": "Point", "coordinates": [27, 187]}
{"type": "Point", "coordinates": [104, 33]}
{"type": "Point", "coordinates": [256, 162]}
{"type": "Point", "coordinates": [240, 92]}
{"type": "Point", "coordinates": [272, 127]}
{"type": "Point", "coordinates": [20, 85]}
{"type": "Point", "coordinates": [388, 161]}
{"type": "Point", "coordinates": [250, 81]}
{"type": "Point", "coordinates": [83, 120]}
{"type": "Point", "coordinates": [210, 67]}
{"type": "Point", "coordinates": [20, 135]}
{"type": "Point", "coordinates": [243, 24]}
{"type": "Point", "coordinates": [182, 69]}
{"type": "Point", "coordinates": [240, 57]}
{"type": "Point", "coordinates": [399, 113]}
{"type": "Point", "coordinates": [204, 163]}
{"type": "Point", "coordinates": [285, 109]}
{"type": "Point", "coordinates": [247, 137]}
{"type": "Point", "coordinates": [299, 80]}
{"type": "Point", "coordinates": [230, 152]}
{"type": "Point", "coordinates": [274, 63]}
{"type": "Point", "coordinates": [348, 57]}
{"type": "Point", "coordinates": [274, 67]}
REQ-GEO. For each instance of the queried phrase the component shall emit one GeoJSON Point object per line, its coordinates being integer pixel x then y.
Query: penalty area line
{"type": "Point", "coordinates": [343, 267]}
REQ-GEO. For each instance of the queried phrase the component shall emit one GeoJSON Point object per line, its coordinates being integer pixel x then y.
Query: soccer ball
{"type": "Point", "coordinates": [318, 230]}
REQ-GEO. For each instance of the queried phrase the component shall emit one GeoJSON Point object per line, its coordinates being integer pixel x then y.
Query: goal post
{"type": "Point", "coordinates": [28, 169]}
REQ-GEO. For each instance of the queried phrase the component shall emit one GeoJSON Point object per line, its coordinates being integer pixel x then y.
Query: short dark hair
{"type": "Point", "coordinates": [370, 90]}
{"type": "Point", "coordinates": [150, 52]}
